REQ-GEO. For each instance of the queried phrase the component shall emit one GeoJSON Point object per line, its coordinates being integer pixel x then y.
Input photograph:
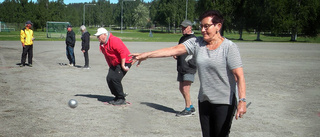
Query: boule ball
{"type": "Point", "coordinates": [73, 103]}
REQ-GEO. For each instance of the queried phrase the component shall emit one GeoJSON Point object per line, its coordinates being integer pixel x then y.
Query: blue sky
{"type": "Point", "coordinates": [82, 1]}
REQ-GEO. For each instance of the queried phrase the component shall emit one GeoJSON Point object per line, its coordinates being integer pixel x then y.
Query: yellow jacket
{"type": "Point", "coordinates": [26, 36]}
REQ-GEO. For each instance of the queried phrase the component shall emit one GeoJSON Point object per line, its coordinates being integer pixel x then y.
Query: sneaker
{"type": "Point", "coordinates": [30, 65]}
{"type": "Point", "coordinates": [113, 100]}
{"type": "Point", "coordinates": [21, 65]}
{"type": "Point", "coordinates": [71, 65]}
{"type": "Point", "coordinates": [86, 67]}
{"type": "Point", "coordinates": [119, 102]}
{"type": "Point", "coordinates": [193, 110]}
{"type": "Point", "coordinates": [185, 113]}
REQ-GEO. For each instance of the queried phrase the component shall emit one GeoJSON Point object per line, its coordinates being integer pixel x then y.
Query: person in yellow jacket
{"type": "Point", "coordinates": [26, 36]}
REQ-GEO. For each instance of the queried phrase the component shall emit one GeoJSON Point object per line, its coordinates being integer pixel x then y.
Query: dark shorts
{"type": "Point", "coordinates": [185, 77]}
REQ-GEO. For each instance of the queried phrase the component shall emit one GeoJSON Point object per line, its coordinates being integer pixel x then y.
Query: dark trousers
{"type": "Point", "coordinates": [216, 119]}
{"type": "Point", "coordinates": [27, 50]}
{"type": "Point", "coordinates": [86, 58]}
{"type": "Point", "coordinates": [70, 55]}
{"type": "Point", "coordinates": [114, 78]}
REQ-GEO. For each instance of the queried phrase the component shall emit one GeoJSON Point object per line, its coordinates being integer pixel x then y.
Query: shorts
{"type": "Point", "coordinates": [185, 77]}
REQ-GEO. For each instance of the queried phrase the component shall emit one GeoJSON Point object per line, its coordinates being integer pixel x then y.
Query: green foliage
{"type": "Point", "coordinates": [290, 17]}
{"type": "Point", "coordinates": [141, 16]}
{"type": "Point", "coordinates": [172, 12]}
{"type": "Point", "coordinates": [99, 14]}
{"type": "Point", "coordinates": [204, 5]}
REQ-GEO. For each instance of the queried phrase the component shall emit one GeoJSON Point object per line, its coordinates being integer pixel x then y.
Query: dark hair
{"type": "Point", "coordinates": [216, 16]}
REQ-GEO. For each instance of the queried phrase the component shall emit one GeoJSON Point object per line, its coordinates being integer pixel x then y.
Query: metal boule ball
{"type": "Point", "coordinates": [73, 103]}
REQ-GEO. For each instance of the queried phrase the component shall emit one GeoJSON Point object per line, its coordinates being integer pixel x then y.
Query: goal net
{"type": "Point", "coordinates": [5, 27]}
{"type": "Point", "coordinates": [57, 29]}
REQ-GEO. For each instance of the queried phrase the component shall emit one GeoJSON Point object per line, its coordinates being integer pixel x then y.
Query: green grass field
{"type": "Point", "coordinates": [158, 36]}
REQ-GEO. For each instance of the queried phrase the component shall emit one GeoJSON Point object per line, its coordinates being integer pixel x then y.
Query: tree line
{"type": "Point", "coordinates": [278, 17]}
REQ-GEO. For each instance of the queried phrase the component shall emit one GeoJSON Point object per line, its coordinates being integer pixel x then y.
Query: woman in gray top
{"type": "Point", "coordinates": [220, 73]}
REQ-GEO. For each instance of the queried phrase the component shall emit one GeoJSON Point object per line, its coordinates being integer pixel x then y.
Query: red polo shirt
{"type": "Point", "coordinates": [115, 50]}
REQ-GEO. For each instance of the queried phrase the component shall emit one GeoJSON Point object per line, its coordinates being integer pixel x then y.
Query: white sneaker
{"type": "Point", "coordinates": [71, 65]}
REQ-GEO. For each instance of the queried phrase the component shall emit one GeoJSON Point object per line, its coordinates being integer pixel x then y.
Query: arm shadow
{"type": "Point", "coordinates": [109, 98]}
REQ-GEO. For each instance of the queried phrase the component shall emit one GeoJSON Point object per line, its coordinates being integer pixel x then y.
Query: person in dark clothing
{"type": "Point", "coordinates": [85, 45]}
{"type": "Point", "coordinates": [70, 43]}
{"type": "Point", "coordinates": [186, 68]}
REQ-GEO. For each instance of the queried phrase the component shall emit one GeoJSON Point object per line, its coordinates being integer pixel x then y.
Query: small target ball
{"type": "Point", "coordinates": [73, 103]}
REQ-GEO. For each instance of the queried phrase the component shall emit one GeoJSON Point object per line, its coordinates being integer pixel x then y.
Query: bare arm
{"type": "Point", "coordinates": [238, 73]}
{"type": "Point", "coordinates": [165, 52]}
{"type": "Point", "coordinates": [123, 63]}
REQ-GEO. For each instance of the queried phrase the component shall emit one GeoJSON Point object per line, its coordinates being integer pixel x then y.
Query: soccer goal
{"type": "Point", "coordinates": [57, 29]}
{"type": "Point", "coordinates": [5, 28]}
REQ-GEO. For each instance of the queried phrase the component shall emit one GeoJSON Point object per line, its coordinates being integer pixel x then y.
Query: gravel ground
{"type": "Point", "coordinates": [282, 79]}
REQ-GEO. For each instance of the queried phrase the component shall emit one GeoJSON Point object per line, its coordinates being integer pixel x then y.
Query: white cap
{"type": "Point", "coordinates": [101, 31]}
{"type": "Point", "coordinates": [83, 27]}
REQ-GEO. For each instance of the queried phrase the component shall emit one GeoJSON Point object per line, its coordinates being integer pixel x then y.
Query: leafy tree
{"type": "Point", "coordinates": [153, 11]}
{"type": "Point", "coordinates": [42, 13]}
{"type": "Point", "coordinates": [74, 17]}
{"type": "Point", "coordinates": [191, 15]}
{"type": "Point", "coordinates": [102, 13]}
{"type": "Point", "coordinates": [311, 17]}
{"type": "Point", "coordinates": [171, 12]}
{"type": "Point", "coordinates": [295, 16]}
{"type": "Point", "coordinates": [9, 8]}
{"type": "Point", "coordinates": [226, 8]}
{"type": "Point", "coordinates": [239, 17]}
{"type": "Point", "coordinates": [164, 15]}
{"type": "Point", "coordinates": [128, 12]}
{"type": "Point", "coordinates": [277, 16]}
{"type": "Point", "coordinates": [141, 15]}
{"type": "Point", "coordinates": [258, 16]}
{"type": "Point", "coordinates": [204, 5]}
{"type": "Point", "coordinates": [185, 10]}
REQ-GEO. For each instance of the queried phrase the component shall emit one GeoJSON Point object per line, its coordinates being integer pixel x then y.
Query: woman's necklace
{"type": "Point", "coordinates": [216, 44]}
{"type": "Point", "coordinates": [213, 46]}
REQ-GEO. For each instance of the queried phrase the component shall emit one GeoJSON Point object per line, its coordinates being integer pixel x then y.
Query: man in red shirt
{"type": "Point", "coordinates": [116, 55]}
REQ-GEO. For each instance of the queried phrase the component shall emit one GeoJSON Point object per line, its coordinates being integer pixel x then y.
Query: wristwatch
{"type": "Point", "coordinates": [243, 99]}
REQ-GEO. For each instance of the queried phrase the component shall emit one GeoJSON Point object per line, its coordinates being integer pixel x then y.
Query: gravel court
{"type": "Point", "coordinates": [282, 79]}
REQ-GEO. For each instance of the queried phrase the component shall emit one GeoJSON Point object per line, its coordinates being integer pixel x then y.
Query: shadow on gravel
{"type": "Point", "coordinates": [159, 107]}
{"type": "Point", "coordinates": [98, 97]}
{"type": "Point", "coordinates": [64, 64]}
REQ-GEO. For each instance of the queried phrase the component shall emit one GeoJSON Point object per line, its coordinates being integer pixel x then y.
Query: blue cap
{"type": "Point", "coordinates": [28, 22]}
